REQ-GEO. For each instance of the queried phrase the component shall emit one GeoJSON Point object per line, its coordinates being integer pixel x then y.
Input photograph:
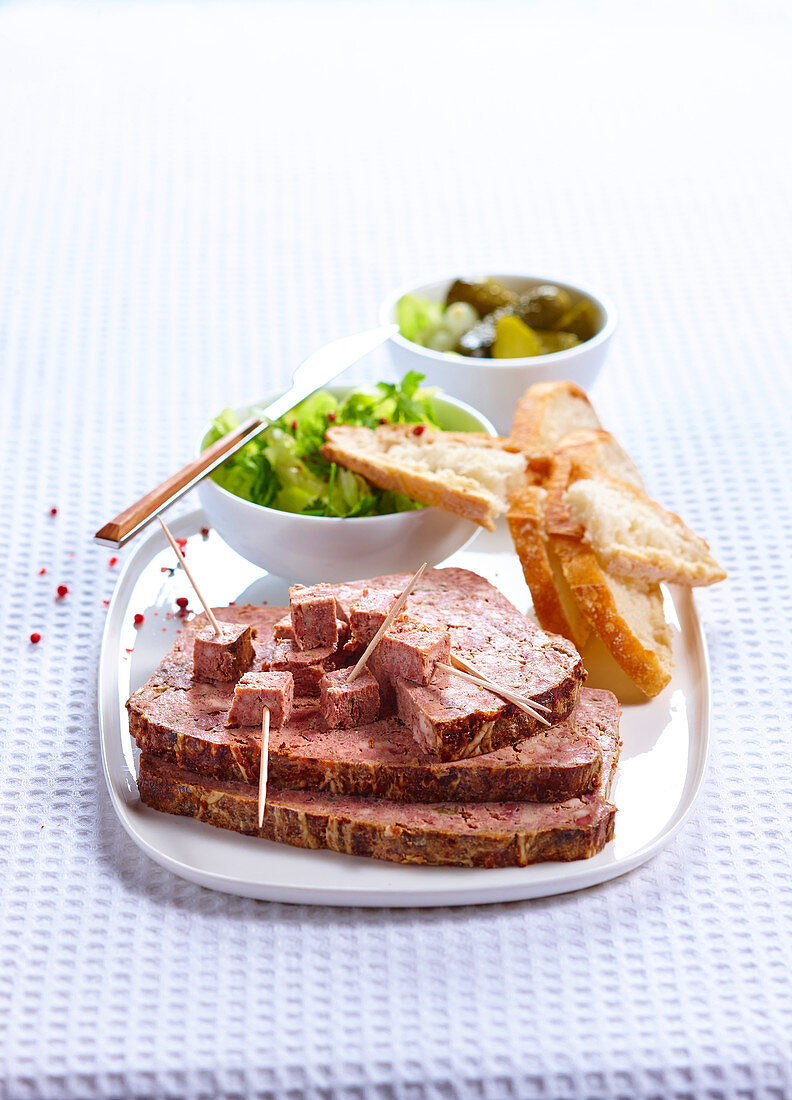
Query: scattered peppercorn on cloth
{"type": "Point", "coordinates": [192, 198]}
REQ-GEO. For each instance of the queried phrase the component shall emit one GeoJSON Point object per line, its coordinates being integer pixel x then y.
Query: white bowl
{"type": "Point", "coordinates": [309, 549]}
{"type": "Point", "coordinates": [496, 385]}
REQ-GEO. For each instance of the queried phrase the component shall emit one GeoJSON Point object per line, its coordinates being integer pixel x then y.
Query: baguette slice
{"type": "Point", "coordinates": [468, 474]}
{"type": "Point", "coordinates": [627, 615]}
{"type": "Point", "coordinates": [553, 601]}
{"type": "Point", "coordinates": [635, 537]}
{"type": "Point", "coordinates": [594, 451]}
{"type": "Point", "coordinates": [545, 414]}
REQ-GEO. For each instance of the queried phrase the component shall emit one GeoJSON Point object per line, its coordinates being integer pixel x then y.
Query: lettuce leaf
{"type": "Point", "coordinates": [282, 467]}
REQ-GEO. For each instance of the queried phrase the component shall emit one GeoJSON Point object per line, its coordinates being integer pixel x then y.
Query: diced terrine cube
{"type": "Point", "coordinates": [307, 666]}
{"type": "Point", "coordinates": [410, 649]}
{"type": "Point", "coordinates": [222, 657]}
{"type": "Point", "coordinates": [368, 613]}
{"type": "Point", "coordinates": [257, 690]}
{"type": "Point", "coordinates": [381, 673]}
{"type": "Point", "coordinates": [313, 616]}
{"type": "Point", "coordinates": [283, 630]}
{"type": "Point", "coordinates": [348, 705]}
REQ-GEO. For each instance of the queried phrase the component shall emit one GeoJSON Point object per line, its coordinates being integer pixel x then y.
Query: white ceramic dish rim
{"type": "Point", "coordinates": [547, 879]}
{"type": "Point", "coordinates": [388, 308]}
{"type": "Point", "coordinates": [463, 406]}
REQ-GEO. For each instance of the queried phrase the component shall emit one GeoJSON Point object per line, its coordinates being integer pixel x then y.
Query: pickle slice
{"type": "Point", "coordinates": [514, 339]}
{"type": "Point", "coordinates": [581, 320]}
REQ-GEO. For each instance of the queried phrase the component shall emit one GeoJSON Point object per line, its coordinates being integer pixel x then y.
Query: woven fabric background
{"type": "Point", "coordinates": [192, 197]}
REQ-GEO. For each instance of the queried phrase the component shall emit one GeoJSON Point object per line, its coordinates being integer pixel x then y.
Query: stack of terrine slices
{"type": "Point", "coordinates": [499, 790]}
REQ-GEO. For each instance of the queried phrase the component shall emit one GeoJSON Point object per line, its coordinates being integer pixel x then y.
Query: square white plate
{"type": "Point", "coordinates": [662, 765]}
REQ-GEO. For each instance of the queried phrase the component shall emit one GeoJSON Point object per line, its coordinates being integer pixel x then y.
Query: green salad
{"type": "Point", "coordinates": [282, 467]}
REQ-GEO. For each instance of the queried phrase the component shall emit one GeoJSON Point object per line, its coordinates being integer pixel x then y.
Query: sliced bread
{"type": "Point", "coordinates": [554, 604]}
{"type": "Point", "coordinates": [635, 537]}
{"type": "Point", "coordinates": [627, 615]}
{"type": "Point", "coordinates": [594, 451]}
{"type": "Point", "coordinates": [545, 414]}
{"type": "Point", "coordinates": [468, 474]}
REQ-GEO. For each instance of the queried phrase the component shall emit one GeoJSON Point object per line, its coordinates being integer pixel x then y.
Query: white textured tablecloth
{"type": "Point", "coordinates": [191, 199]}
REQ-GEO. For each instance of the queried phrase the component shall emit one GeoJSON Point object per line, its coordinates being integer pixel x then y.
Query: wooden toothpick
{"type": "Point", "coordinates": [460, 663]}
{"type": "Point", "coordinates": [190, 577]}
{"type": "Point", "coordinates": [496, 689]}
{"type": "Point", "coordinates": [262, 789]}
{"type": "Point", "coordinates": [398, 604]}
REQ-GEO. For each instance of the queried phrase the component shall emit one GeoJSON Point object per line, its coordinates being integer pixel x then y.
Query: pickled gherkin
{"type": "Point", "coordinates": [556, 341]}
{"type": "Point", "coordinates": [485, 297]}
{"type": "Point", "coordinates": [543, 306]}
{"type": "Point", "coordinates": [581, 320]}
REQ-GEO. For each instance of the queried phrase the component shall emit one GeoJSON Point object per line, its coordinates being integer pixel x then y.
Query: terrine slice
{"type": "Point", "coordinates": [173, 717]}
{"type": "Point", "coordinates": [474, 834]}
{"type": "Point", "coordinates": [485, 629]}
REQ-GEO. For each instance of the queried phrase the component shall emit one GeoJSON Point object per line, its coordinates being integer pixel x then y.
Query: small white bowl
{"type": "Point", "coordinates": [309, 549]}
{"type": "Point", "coordinates": [496, 385]}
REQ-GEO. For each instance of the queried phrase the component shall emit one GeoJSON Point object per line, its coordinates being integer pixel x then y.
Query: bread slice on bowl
{"type": "Point", "coordinates": [466, 473]}
{"type": "Point", "coordinates": [635, 537]}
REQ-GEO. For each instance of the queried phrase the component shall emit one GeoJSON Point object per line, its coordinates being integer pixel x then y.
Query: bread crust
{"type": "Point", "coordinates": [525, 519]}
{"type": "Point", "coordinates": [595, 593]}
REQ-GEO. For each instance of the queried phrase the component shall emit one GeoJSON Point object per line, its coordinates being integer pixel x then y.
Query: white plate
{"type": "Point", "coordinates": [661, 769]}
